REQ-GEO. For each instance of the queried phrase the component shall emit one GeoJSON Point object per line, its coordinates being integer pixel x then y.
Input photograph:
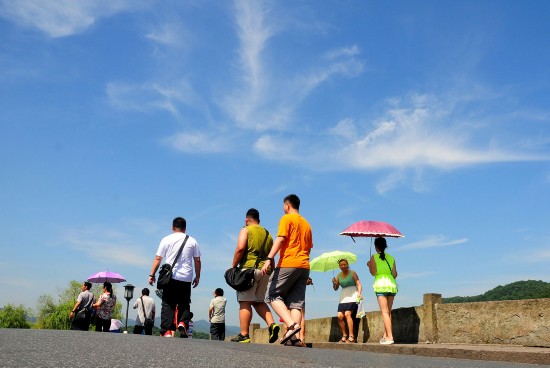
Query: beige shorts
{"type": "Point", "coordinates": [257, 292]}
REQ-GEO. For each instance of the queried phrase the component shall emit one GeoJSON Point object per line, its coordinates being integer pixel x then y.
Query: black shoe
{"type": "Point", "coordinates": [273, 332]}
{"type": "Point", "coordinates": [242, 339]}
{"type": "Point", "coordinates": [183, 329]}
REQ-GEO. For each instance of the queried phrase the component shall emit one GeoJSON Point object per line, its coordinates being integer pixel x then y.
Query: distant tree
{"type": "Point", "coordinates": [518, 290]}
{"type": "Point", "coordinates": [201, 335]}
{"type": "Point", "coordinates": [54, 314]}
{"type": "Point", "coordinates": [14, 317]}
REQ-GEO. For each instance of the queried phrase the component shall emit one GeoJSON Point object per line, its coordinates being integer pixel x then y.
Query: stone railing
{"type": "Point", "coordinates": [510, 322]}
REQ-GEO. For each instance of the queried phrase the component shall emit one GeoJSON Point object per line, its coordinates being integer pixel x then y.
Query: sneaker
{"type": "Point", "coordinates": [167, 334]}
{"type": "Point", "coordinates": [242, 339]}
{"type": "Point", "coordinates": [182, 329]}
{"type": "Point", "coordinates": [273, 332]}
{"type": "Point", "coordinates": [386, 342]}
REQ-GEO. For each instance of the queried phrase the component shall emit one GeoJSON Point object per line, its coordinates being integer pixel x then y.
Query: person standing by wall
{"type": "Point", "coordinates": [145, 301]}
{"type": "Point", "coordinates": [349, 297]}
{"type": "Point", "coordinates": [253, 245]}
{"type": "Point", "coordinates": [178, 291]}
{"type": "Point", "coordinates": [382, 267]}
{"type": "Point", "coordinates": [287, 284]}
{"type": "Point", "coordinates": [216, 315]}
{"type": "Point", "coordinates": [84, 301]}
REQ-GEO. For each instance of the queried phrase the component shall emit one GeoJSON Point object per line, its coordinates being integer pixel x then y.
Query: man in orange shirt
{"type": "Point", "coordinates": [286, 289]}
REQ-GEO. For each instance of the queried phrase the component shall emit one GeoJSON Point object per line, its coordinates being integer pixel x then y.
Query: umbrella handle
{"type": "Point", "coordinates": [370, 248]}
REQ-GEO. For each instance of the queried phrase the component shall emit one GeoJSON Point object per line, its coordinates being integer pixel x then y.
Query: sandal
{"type": "Point", "coordinates": [295, 342]}
{"type": "Point", "coordinates": [351, 339]}
{"type": "Point", "coordinates": [290, 331]}
{"type": "Point", "coordinates": [344, 338]}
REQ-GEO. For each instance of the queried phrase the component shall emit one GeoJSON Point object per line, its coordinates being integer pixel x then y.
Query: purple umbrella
{"type": "Point", "coordinates": [106, 276]}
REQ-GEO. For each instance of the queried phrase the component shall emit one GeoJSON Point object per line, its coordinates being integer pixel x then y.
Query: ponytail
{"type": "Point", "coordinates": [381, 245]}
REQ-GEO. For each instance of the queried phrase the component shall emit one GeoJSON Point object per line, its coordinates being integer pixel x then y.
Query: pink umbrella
{"type": "Point", "coordinates": [372, 229]}
{"type": "Point", "coordinates": [106, 276]}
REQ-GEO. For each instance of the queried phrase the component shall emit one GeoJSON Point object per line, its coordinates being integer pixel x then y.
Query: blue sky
{"type": "Point", "coordinates": [117, 116]}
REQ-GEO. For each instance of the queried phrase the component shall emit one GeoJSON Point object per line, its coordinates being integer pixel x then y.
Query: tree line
{"type": "Point", "coordinates": [519, 290]}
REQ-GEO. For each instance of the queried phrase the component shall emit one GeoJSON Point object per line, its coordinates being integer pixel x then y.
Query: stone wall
{"type": "Point", "coordinates": [514, 322]}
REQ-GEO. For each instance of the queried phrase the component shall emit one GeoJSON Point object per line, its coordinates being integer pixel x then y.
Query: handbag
{"type": "Point", "coordinates": [239, 279]}
{"type": "Point", "coordinates": [165, 273]}
{"type": "Point", "coordinates": [361, 312]}
{"type": "Point", "coordinates": [148, 321]}
{"type": "Point", "coordinates": [243, 279]}
{"type": "Point", "coordinates": [81, 314]}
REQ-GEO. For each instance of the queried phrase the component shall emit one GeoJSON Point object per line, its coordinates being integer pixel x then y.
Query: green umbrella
{"type": "Point", "coordinates": [329, 261]}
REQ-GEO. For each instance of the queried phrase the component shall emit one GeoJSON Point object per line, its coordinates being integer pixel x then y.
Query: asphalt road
{"type": "Point", "coordinates": [49, 348]}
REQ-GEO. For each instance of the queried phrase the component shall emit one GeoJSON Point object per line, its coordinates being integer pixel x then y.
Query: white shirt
{"type": "Point", "coordinates": [168, 249]}
{"type": "Point", "coordinates": [149, 304]}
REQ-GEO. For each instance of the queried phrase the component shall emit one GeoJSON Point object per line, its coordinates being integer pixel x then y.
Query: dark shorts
{"type": "Point", "coordinates": [347, 307]}
{"type": "Point", "coordinates": [289, 286]}
{"type": "Point", "coordinates": [385, 294]}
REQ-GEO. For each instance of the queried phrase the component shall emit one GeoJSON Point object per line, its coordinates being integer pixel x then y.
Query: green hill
{"type": "Point", "coordinates": [530, 289]}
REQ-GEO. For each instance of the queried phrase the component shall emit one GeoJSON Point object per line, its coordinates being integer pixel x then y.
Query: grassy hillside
{"type": "Point", "coordinates": [530, 289]}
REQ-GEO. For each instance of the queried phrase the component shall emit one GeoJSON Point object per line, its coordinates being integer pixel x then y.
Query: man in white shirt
{"type": "Point", "coordinates": [148, 312]}
{"type": "Point", "coordinates": [178, 291]}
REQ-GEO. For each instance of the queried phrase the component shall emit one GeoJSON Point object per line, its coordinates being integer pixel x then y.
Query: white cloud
{"type": "Point", "coordinates": [93, 241]}
{"type": "Point", "coordinates": [344, 51]}
{"type": "Point", "coordinates": [422, 131]}
{"type": "Point", "coordinates": [169, 34]}
{"type": "Point", "coordinates": [148, 97]}
{"type": "Point", "coordinates": [61, 18]}
{"type": "Point", "coordinates": [433, 241]}
{"type": "Point", "coordinates": [275, 148]}
{"type": "Point", "coordinates": [345, 128]}
{"type": "Point", "coordinates": [200, 142]}
{"type": "Point", "coordinates": [412, 275]}
{"type": "Point", "coordinates": [260, 101]}
{"type": "Point", "coordinates": [534, 256]}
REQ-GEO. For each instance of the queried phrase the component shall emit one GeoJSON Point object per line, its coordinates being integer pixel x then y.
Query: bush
{"type": "Point", "coordinates": [14, 317]}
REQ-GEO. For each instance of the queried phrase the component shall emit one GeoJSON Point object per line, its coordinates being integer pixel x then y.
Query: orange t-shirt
{"type": "Point", "coordinates": [298, 241]}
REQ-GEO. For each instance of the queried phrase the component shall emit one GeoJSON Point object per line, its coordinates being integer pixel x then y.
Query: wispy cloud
{"type": "Point", "coordinates": [122, 247]}
{"type": "Point", "coordinates": [424, 131]}
{"type": "Point", "coordinates": [147, 97]}
{"type": "Point", "coordinates": [62, 18]}
{"type": "Point", "coordinates": [533, 256]}
{"type": "Point", "coordinates": [433, 241]}
{"type": "Point", "coordinates": [261, 101]}
{"type": "Point", "coordinates": [171, 34]}
{"type": "Point", "coordinates": [200, 142]}
{"type": "Point", "coordinates": [413, 275]}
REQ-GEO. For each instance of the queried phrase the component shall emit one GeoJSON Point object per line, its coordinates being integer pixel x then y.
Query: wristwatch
{"type": "Point", "coordinates": [271, 259]}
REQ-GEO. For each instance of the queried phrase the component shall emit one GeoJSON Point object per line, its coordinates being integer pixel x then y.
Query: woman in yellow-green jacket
{"type": "Point", "coordinates": [382, 267]}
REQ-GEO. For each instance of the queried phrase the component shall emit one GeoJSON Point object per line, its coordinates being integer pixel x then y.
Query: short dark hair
{"type": "Point", "coordinates": [293, 200]}
{"type": "Point", "coordinates": [179, 223]}
{"type": "Point", "coordinates": [145, 291]}
{"type": "Point", "coordinates": [88, 285]}
{"type": "Point", "coordinates": [219, 292]}
{"type": "Point", "coordinates": [254, 214]}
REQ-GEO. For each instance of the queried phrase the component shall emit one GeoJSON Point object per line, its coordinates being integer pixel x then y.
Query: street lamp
{"type": "Point", "coordinates": [128, 295]}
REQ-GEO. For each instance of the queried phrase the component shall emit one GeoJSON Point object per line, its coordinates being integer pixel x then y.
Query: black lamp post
{"type": "Point", "coordinates": [128, 295]}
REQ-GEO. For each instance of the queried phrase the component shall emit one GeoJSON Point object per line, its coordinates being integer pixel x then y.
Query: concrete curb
{"type": "Point", "coordinates": [516, 354]}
